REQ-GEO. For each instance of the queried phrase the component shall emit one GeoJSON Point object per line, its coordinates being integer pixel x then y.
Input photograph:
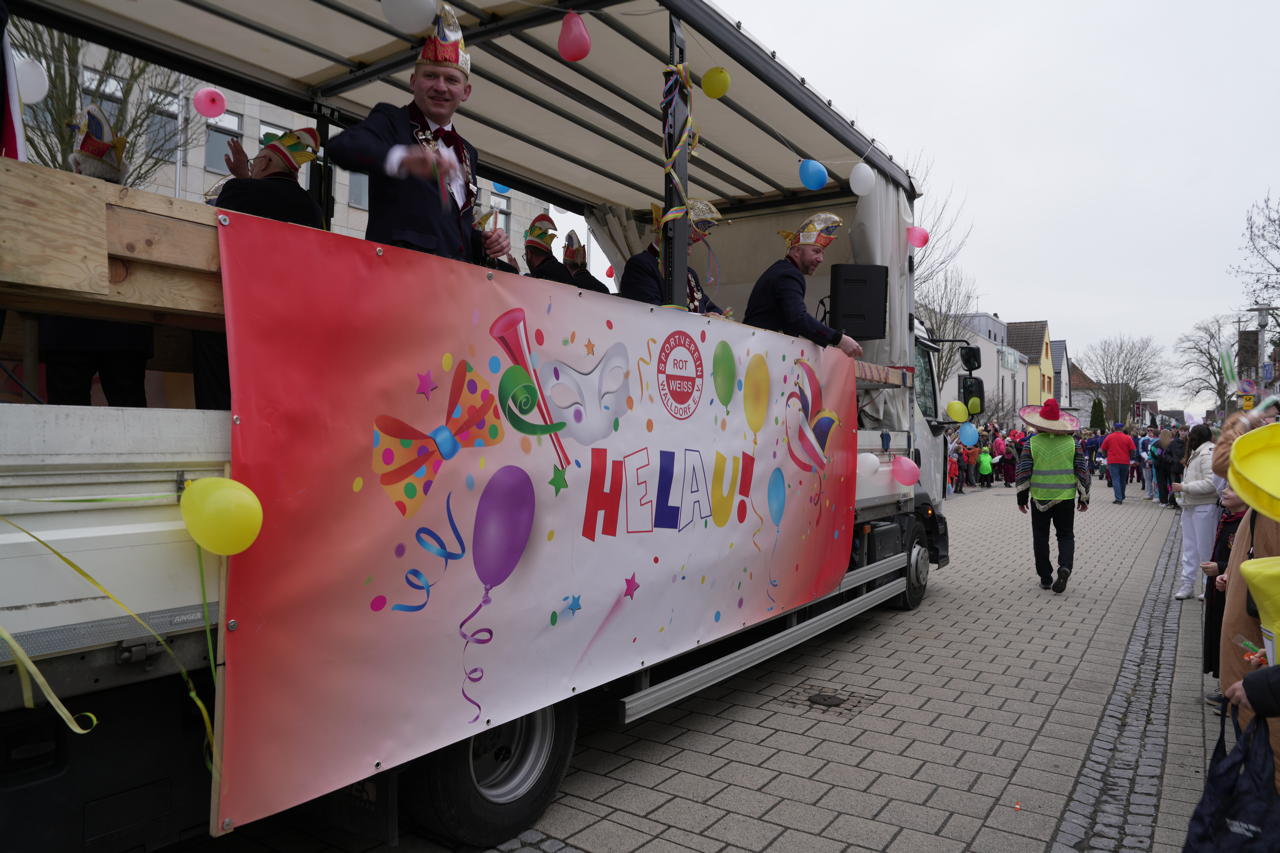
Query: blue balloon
{"type": "Point", "coordinates": [968, 434]}
{"type": "Point", "coordinates": [777, 496]}
{"type": "Point", "coordinates": [813, 174]}
{"type": "Point", "coordinates": [501, 188]}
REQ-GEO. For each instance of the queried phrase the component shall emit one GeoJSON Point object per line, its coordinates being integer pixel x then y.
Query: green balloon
{"type": "Point", "coordinates": [724, 370]}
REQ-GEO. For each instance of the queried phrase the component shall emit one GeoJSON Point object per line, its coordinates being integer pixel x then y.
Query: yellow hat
{"type": "Point", "coordinates": [541, 232]}
{"type": "Point", "coordinates": [1255, 469]}
{"type": "Point", "coordinates": [819, 229]}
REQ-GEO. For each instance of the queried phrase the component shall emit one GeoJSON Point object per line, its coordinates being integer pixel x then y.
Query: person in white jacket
{"type": "Point", "coordinates": [1199, 508]}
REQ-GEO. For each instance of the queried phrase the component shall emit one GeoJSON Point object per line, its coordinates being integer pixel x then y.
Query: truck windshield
{"type": "Point", "coordinates": [926, 390]}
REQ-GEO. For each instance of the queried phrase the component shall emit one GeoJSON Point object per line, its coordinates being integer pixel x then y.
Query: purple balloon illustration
{"type": "Point", "coordinates": [504, 519]}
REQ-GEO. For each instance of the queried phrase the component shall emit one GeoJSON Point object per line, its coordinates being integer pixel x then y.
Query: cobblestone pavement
{"type": "Point", "coordinates": [996, 717]}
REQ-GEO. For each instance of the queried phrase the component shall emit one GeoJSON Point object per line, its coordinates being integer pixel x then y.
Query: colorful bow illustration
{"type": "Point", "coordinates": [809, 440]}
{"type": "Point", "coordinates": [403, 453]}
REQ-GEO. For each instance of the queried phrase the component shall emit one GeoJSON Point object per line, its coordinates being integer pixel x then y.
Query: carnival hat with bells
{"type": "Point", "coordinates": [294, 148]}
{"type": "Point", "coordinates": [575, 252]}
{"type": "Point", "coordinates": [818, 230]}
{"type": "Point", "coordinates": [703, 216]}
{"type": "Point", "coordinates": [541, 233]}
{"type": "Point", "coordinates": [445, 46]}
{"type": "Point", "coordinates": [96, 137]}
{"type": "Point", "coordinates": [1049, 418]}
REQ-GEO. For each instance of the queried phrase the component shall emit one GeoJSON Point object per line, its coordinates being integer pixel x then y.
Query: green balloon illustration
{"type": "Point", "coordinates": [724, 370]}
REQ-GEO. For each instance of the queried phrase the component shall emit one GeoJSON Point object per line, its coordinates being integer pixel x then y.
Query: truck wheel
{"type": "Point", "coordinates": [917, 569]}
{"type": "Point", "coordinates": [489, 788]}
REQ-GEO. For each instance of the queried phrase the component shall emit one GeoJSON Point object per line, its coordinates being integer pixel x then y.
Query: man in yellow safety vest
{"type": "Point", "coordinates": [1051, 476]}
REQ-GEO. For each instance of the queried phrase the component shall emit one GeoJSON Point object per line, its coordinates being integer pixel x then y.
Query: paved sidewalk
{"type": "Point", "coordinates": [982, 706]}
{"type": "Point", "coordinates": [972, 723]}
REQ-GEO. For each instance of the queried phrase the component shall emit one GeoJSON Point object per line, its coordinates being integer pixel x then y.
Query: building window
{"type": "Point", "coordinates": [221, 130]}
{"type": "Point", "coordinates": [502, 207]}
{"type": "Point", "coordinates": [163, 129]}
{"type": "Point", "coordinates": [105, 91]}
{"type": "Point", "coordinates": [358, 190]}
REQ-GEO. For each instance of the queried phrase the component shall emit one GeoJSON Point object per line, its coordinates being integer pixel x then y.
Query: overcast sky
{"type": "Point", "coordinates": [1106, 153]}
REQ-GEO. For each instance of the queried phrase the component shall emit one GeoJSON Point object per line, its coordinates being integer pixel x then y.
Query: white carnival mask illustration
{"type": "Point", "coordinates": [587, 403]}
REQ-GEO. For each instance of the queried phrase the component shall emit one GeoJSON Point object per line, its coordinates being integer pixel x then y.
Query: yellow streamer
{"type": "Point", "coordinates": [191, 688]}
{"type": "Point", "coordinates": [27, 671]}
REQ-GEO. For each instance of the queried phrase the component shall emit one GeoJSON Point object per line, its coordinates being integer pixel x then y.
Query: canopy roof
{"type": "Point", "coordinates": [577, 134]}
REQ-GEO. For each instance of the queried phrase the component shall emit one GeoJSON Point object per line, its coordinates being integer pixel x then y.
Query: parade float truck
{"type": "Point", "coordinates": [485, 498]}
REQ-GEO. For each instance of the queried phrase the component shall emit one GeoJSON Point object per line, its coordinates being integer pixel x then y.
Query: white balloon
{"type": "Point", "coordinates": [868, 464]}
{"type": "Point", "coordinates": [33, 83]}
{"type": "Point", "coordinates": [862, 179]}
{"type": "Point", "coordinates": [409, 16]}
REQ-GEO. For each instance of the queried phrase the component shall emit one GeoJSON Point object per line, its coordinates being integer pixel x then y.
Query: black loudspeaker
{"type": "Point", "coordinates": [859, 300]}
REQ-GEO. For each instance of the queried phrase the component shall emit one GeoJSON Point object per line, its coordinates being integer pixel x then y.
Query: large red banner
{"type": "Point", "coordinates": [485, 493]}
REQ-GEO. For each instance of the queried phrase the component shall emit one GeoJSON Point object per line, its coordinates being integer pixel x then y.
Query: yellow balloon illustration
{"type": "Point", "coordinates": [957, 411]}
{"type": "Point", "coordinates": [755, 392]}
{"type": "Point", "coordinates": [222, 515]}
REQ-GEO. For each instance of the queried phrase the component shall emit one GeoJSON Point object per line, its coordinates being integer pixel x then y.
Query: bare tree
{"type": "Point", "coordinates": [1128, 369]}
{"type": "Point", "coordinates": [948, 233]}
{"type": "Point", "coordinates": [1260, 270]}
{"type": "Point", "coordinates": [943, 302]}
{"type": "Point", "coordinates": [1199, 358]}
{"type": "Point", "coordinates": [148, 105]}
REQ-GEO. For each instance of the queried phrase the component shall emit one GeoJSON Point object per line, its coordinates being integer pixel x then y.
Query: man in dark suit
{"type": "Point", "coordinates": [575, 260]}
{"type": "Point", "coordinates": [422, 174]}
{"type": "Point", "coordinates": [538, 238]}
{"type": "Point", "coordinates": [265, 186]}
{"type": "Point", "coordinates": [642, 276]}
{"type": "Point", "coordinates": [777, 300]}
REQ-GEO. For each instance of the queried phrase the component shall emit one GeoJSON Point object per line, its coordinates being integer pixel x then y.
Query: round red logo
{"type": "Point", "coordinates": [680, 375]}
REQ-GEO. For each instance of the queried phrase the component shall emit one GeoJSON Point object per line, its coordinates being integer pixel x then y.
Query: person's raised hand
{"type": "Point", "coordinates": [424, 163]}
{"type": "Point", "coordinates": [496, 243]}
{"type": "Point", "coordinates": [237, 161]}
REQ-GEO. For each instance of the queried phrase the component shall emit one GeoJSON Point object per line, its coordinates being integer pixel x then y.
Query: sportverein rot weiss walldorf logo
{"type": "Point", "coordinates": [680, 375]}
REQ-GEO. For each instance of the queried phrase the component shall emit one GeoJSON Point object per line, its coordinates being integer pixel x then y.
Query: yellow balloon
{"type": "Point", "coordinates": [715, 83]}
{"type": "Point", "coordinates": [957, 411]}
{"type": "Point", "coordinates": [222, 515]}
{"type": "Point", "coordinates": [755, 392]}
{"type": "Point", "coordinates": [975, 406]}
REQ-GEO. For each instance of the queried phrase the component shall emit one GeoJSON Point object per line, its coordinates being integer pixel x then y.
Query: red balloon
{"type": "Point", "coordinates": [609, 272]}
{"type": "Point", "coordinates": [917, 236]}
{"type": "Point", "coordinates": [575, 41]}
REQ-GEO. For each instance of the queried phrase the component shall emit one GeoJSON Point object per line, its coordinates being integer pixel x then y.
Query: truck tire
{"type": "Point", "coordinates": [489, 788]}
{"type": "Point", "coordinates": [917, 568]}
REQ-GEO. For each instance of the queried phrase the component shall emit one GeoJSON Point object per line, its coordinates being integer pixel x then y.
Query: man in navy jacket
{"type": "Point", "coordinates": [422, 174]}
{"type": "Point", "coordinates": [777, 300]}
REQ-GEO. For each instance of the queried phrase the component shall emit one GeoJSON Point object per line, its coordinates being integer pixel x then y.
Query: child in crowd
{"type": "Point", "coordinates": [984, 467]}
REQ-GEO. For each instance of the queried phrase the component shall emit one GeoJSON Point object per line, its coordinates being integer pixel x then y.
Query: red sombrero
{"type": "Point", "coordinates": [1049, 418]}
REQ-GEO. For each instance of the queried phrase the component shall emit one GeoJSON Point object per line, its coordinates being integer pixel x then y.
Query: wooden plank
{"type": "Point", "coordinates": [140, 236]}
{"type": "Point", "coordinates": [52, 231]}
{"type": "Point", "coordinates": [37, 301]}
{"type": "Point", "coordinates": [168, 290]}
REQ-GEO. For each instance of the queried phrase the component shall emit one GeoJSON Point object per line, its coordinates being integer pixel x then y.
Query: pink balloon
{"type": "Point", "coordinates": [575, 41]}
{"type": "Point", "coordinates": [917, 236]}
{"type": "Point", "coordinates": [209, 102]}
{"type": "Point", "coordinates": [905, 472]}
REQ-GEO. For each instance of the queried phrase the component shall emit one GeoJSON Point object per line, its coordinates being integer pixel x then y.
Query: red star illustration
{"type": "Point", "coordinates": [425, 385]}
{"type": "Point", "coordinates": [632, 586]}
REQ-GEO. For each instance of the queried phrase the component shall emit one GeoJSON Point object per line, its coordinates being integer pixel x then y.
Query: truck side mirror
{"type": "Point", "coordinates": [971, 358]}
{"type": "Point", "coordinates": [972, 394]}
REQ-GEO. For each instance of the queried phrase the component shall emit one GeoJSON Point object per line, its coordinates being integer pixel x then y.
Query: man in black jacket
{"type": "Point", "coordinates": [265, 186]}
{"type": "Point", "coordinates": [422, 173]}
{"type": "Point", "coordinates": [642, 276]}
{"type": "Point", "coordinates": [777, 300]}
{"type": "Point", "coordinates": [575, 261]}
{"type": "Point", "coordinates": [538, 238]}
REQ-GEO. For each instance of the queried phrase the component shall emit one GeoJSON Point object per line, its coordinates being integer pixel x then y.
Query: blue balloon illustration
{"type": "Point", "coordinates": [777, 496]}
{"type": "Point", "coordinates": [501, 188]}
{"type": "Point", "coordinates": [968, 434]}
{"type": "Point", "coordinates": [813, 174]}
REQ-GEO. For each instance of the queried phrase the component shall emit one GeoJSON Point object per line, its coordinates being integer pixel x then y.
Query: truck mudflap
{"type": "Point", "coordinates": [935, 526]}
